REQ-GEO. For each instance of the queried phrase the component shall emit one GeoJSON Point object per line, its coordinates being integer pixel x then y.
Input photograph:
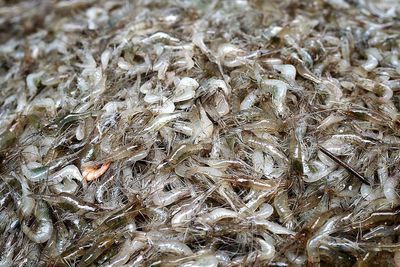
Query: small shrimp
{"type": "Point", "coordinates": [117, 219]}
{"type": "Point", "coordinates": [65, 179]}
{"type": "Point", "coordinates": [230, 55]}
{"type": "Point", "coordinates": [267, 249]}
{"type": "Point", "coordinates": [185, 90]}
{"type": "Point", "coordinates": [56, 244]}
{"type": "Point", "coordinates": [265, 253]}
{"type": "Point", "coordinates": [273, 227]}
{"type": "Point", "coordinates": [174, 247]}
{"type": "Point", "coordinates": [366, 115]}
{"type": "Point", "coordinates": [203, 128]}
{"type": "Point", "coordinates": [160, 37]}
{"type": "Point", "coordinates": [69, 172]}
{"type": "Point", "coordinates": [265, 125]}
{"type": "Point", "coordinates": [278, 90]}
{"type": "Point", "coordinates": [286, 70]}
{"type": "Point", "coordinates": [296, 154]}
{"type": "Point", "coordinates": [376, 218]}
{"type": "Point", "coordinates": [249, 100]}
{"type": "Point", "coordinates": [303, 70]}
{"type": "Point", "coordinates": [67, 186]}
{"type": "Point", "coordinates": [132, 152]}
{"type": "Point", "coordinates": [181, 153]}
{"type": "Point", "coordinates": [27, 204]}
{"type": "Point", "coordinates": [122, 216]}
{"type": "Point", "coordinates": [186, 212]}
{"type": "Point", "coordinates": [102, 188]}
{"type": "Point", "coordinates": [218, 214]}
{"type": "Point", "coordinates": [44, 227]}
{"type": "Point", "coordinates": [97, 249]}
{"type": "Point", "coordinates": [67, 120]}
{"type": "Point", "coordinates": [167, 198]}
{"type": "Point", "coordinates": [329, 121]}
{"type": "Point", "coordinates": [258, 143]}
{"type": "Point", "coordinates": [282, 207]}
{"type": "Point", "coordinates": [32, 81]}
{"type": "Point", "coordinates": [160, 121]}
{"type": "Point", "coordinates": [183, 127]}
{"type": "Point", "coordinates": [382, 231]}
{"type": "Point", "coordinates": [342, 244]}
{"type": "Point", "coordinates": [62, 240]}
{"type": "Point", "coordinates": [69, 202]}
{"type": "Point", "coordinates": [91, 173]}
{"type": "Point", "coordinates": [127, 250]}
{"type": "Point", "coordinates": [314, 242]}
{"type": "Point", "coordinates": [158, 216]}
{"type": "Point", "coordinates": [373, 57]}
{"type": "Point", "coordinates": [255, 202]}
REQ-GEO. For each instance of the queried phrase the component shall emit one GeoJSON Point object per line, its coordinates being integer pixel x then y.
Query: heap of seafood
{"type": "Point", "coordinates": [200, 133]}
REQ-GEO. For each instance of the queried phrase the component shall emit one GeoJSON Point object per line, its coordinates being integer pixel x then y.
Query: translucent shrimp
{"type": "Point", "coordinates": [31, 153]}
{"type": "Point", "coordinates": [36, 172]}
{"type": "Point", "coordinates": [303, 70]}
{"type": "Point", "coordinates": [258, 161]}
{"type": "Point", "coordinates": [167, 198]}
{"type": "Point", "coordinates": [281, 204]}
{"type": "Point", "coordinates": [98, 248]}
{"type": "Point", "coordinates": [185, 90]}
{"type": "Point", "coordinates": [273, 227]}
{"type": "Point", "coordinates": [267, 249]}
{"type": "Point", "coordinates": [265, 253]}
{"type": "Point", "coordinates": [27, 204]}
{"type": "Point", "coordinates": [62, 239]}
{"type": "Point", "coordinates": [249, 100]}
{"type": "Point", "coordinates": [376, 218]}
{"type": "Point", "coordinates": [230, 55]}
{"type": "Point", "coordinates": [373, 59]}
{"type": "Point", "coordinates": [123, 216]}
{"type": "Point", "coordinates": [259, 143]}
{"type": "Point", "coordinates": [160, 37]}
{"type": "Point", "coordinates": [315, 241]}
{"type": "Point", "coordinates": [204, 128]}
{"type": "Point", "coordinates": [382, 231]}
{"type": "Point", "coordinates": [202, 260]}
{"type": "Point", "coordinates": [174, 247]}
{"type": "Point", "coordinates": [288, 71]}
{"type": "Point", "coordinates": [127, 250]}
{"type": "Point", "coordinates": [32, 81]}
{"type": "Point", "coordinates": [102, 188]}
{"type": "Point", "coordinates": [218, 214]}
{"type": "Point", "coordinates": [186, 212]}
{"type": "Point", "coordinates": [160, 121]}
{"type": "Point", "coordinates": [44, 224]}
{"type": "Point", "coordinates": [69, 202]}
{"type": "Point", "coordinates": [345, 165]}
{"type": "Point", "coordinates": [278, 89]}
{"type": "Point", "coordinates": [330, 120]}
{"type": "Point", "coordinates": [181, 153]}
{"type": "Point", "coordinates": [66, 177]}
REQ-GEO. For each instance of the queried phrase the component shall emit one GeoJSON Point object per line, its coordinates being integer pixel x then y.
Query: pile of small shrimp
{"type": "Point", "coordinates": [200, 133]}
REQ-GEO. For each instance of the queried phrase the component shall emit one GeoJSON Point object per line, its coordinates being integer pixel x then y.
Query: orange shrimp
{"type": "Point", "coordinates": [92, 173]}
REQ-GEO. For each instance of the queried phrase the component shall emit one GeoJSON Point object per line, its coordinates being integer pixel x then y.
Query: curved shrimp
{"type": "Point", "coordinates": [44, 228]}
{"type": "Point", "coordinates": [92, 173]}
